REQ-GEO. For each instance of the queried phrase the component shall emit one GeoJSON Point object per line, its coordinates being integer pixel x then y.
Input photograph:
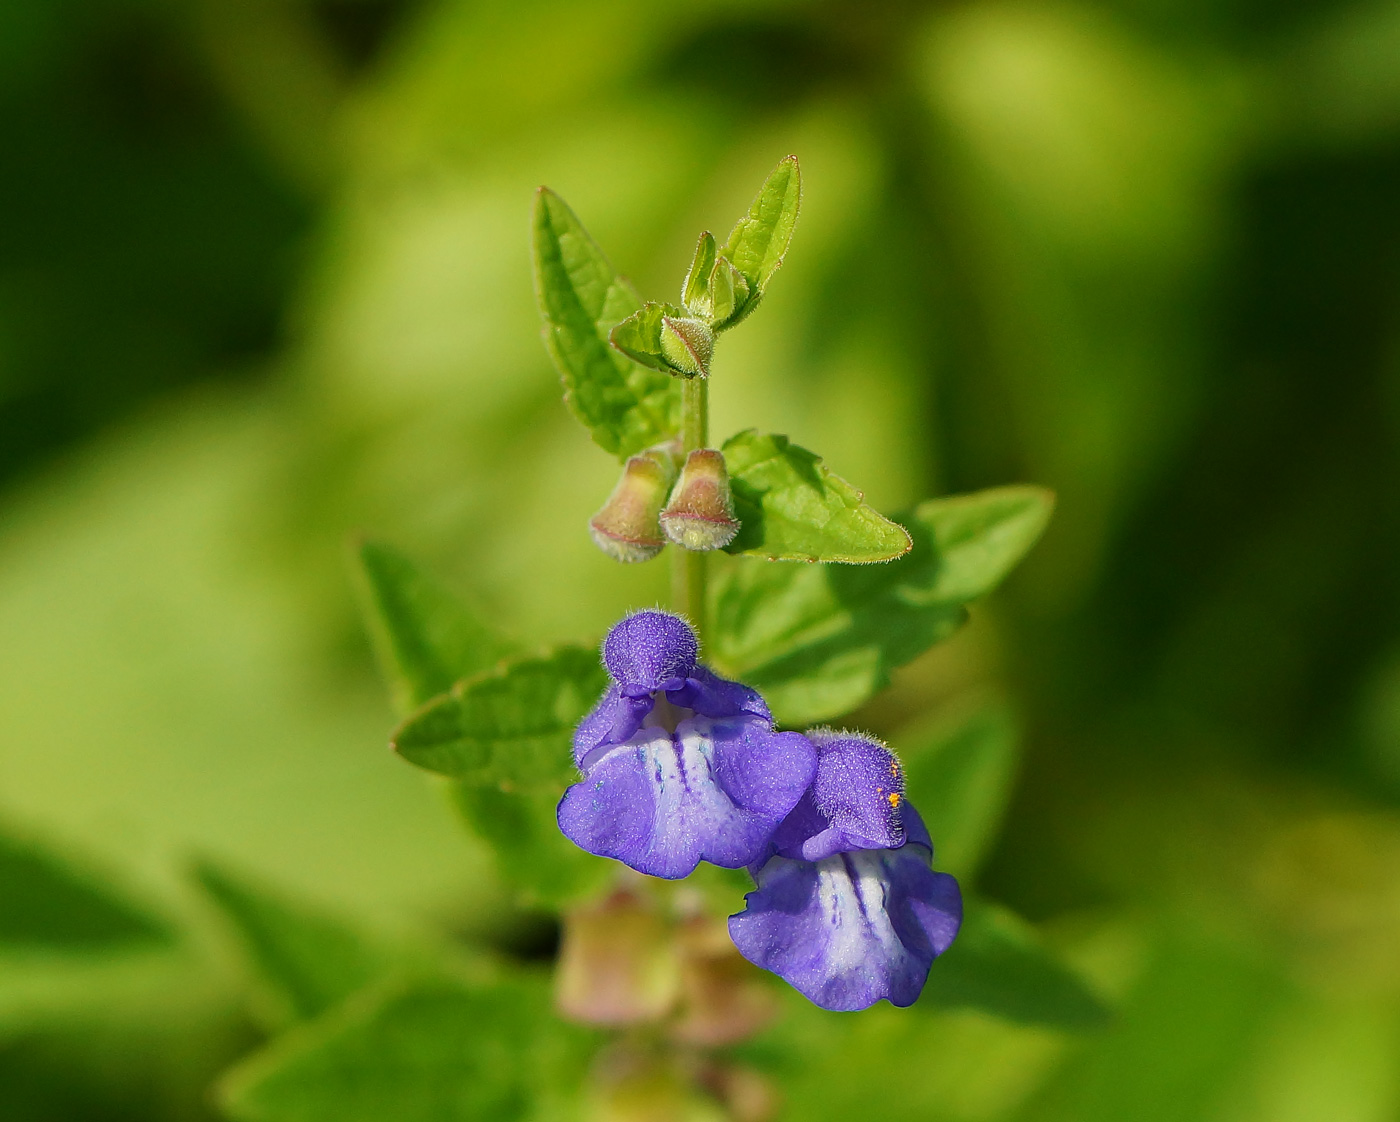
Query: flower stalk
{"type": "Point", "coordinates": [689, 572]}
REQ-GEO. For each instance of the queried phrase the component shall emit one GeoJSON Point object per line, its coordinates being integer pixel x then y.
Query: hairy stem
{"type": "Point", "coordinates": [695, 412]}
{"type": "Point", "coordinates": [688, 573]}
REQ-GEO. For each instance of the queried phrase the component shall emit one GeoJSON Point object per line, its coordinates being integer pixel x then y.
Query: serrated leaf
{"type": "Point", "coordinates": [626, 407]}
{"type": "Point", "coordinates": [424, 1051]}
{"type": "Point", "coordinates": [510, 727]}
{"type": "Point", "coordinates": [821, 640]}
{"type": "Point", "coordinates": [792, 508]}
{"type": "Point", "coordinates": [307, 961]}
{"type": "Point", "coordinates": [532, 853]}
{"type": "Point", "coordinates": [757, 244]}
{"type": "Point", "coordinates": [46, 904]}
{"type": "Point", "coordinates": [998, 966]}
{"type": "Point", "coordinates": [959, 773]}
{"type": "Point", "coordinates": [428, 640]}
{"type": "Point", "coordinates": [424, 637]}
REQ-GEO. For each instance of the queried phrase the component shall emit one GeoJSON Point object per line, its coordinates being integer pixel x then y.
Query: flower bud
{"type": "Point", "coordinates": [617, 964]}
{"type": "Point", "coordinates": [724, 997]}
{"type": "Point", "coordinates": [628, 528]}
{"type": "Point", "coordinates": [700, 513]}
{"type": "Point", "coordinates": [687, 345]}
{"type": "Point", "coordinates": [695, 292]}
{"type": "Point", "coordinates": [728, 292]}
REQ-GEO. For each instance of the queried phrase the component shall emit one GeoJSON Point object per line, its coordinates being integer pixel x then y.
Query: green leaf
{"type": "Point", "coordinates": [45, 904]}
{"type": "Point", "coordinates": [427, 641]}
{"type": "Point", "coordinates": [714, 290]}
{"type": "Point", "coordinates": [791, 508]}
{"type": "Point", "coordinates": [980, 538]}
{"type": "Point", "coordinates": [308, 961]}
{"type": "Point", "coordinates": [760, 239]}
{"type": "Point", "coordinates": [959, 775]}
{"type": "Point", "coordinates": [625, 406]}
{"type": "Point", "coordinates": [997, 965]}
{"type": "Point", "coordinates": [821, 640]}
{"type": "Point", "coordinates": [511, 727]}
{"type": "Point", "coordinates": [532, 854]}
{"type": "Point", "coordinates": [433, 1050]}
{"type": "Point", "coordinates": [424, 636]}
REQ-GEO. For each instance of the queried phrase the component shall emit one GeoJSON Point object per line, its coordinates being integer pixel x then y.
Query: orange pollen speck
{"type": "Point", "coordinates": [894, 798]}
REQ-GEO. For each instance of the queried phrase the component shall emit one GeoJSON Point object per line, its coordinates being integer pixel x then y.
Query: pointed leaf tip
{"type": "Point", "coordinates": [759, 241]}
{"type": "Point", "coordinates": [309, 960]}
{"type": "Point", "coordinates": [998, 965]}
{"type": "Point", "coordinates": [423, 636]}
{"type": "Point", "coordinates": [791, 507]}
{"type": "Point", "coordinates": [821, 640]}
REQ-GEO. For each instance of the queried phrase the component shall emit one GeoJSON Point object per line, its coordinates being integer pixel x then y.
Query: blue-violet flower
{"type": "Point", "coordinates": [848, 908]}
{"type": "Point", "coordinates": [679, 765]}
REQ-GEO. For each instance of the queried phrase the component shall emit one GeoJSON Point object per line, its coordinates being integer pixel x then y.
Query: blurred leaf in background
{"type": "Point", "coordinates": [265, 282]}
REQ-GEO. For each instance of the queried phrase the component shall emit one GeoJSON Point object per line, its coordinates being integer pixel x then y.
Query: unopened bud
{"type": "Point", "coordinates": [617, 964]}
{"type": "Point", "coordinates": [724, 997]}
{"type": "Point", "coordinates": [728, 292]}
{"type": "Point", "coordinates": [688, 345]}
{"type": "Point", "coordinates": [695, 292]}
{"type": "Point", "coordinates": [700, 513]}
{"type": "Point", "coordinates": [628, 528]}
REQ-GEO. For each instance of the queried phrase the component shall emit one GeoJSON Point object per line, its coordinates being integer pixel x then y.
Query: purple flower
{"type": "Point", "coordinates": [848, 908]}
{"type": "Point", "coordinates": [679, 765]}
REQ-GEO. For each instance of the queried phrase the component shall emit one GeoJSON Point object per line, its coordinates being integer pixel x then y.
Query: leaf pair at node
{"type": "Point", "coordinates": [620, 359]}
{"type": "Point", "coordinates": [722, 286]}
{"type": "Point", "coordinates": [821, 640]}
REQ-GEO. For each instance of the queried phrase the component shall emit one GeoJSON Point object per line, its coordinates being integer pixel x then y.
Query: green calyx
{"type": "Point", "coordinates": [714, 290]}
{"type": "Point", "coordinates": [628, 527]}
{"type": "Point", "coordinates": [665, 337]}
{"type": "Point", "coordinates": [700, 513]}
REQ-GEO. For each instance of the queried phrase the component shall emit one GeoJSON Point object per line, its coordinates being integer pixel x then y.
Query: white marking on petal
{"type": "Point", "coordinates": [851, 889]}
{"type": "Point", "coordinates": [691, 812]}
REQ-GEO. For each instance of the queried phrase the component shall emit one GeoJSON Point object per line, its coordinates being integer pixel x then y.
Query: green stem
{"type": "Point", "coordinates": [695, 413]}
{"type": "Point", "coordinates": [688, 573]}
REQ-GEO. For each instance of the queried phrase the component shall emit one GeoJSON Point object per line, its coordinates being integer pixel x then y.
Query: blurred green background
{"type": "Point", "coordinates": [265, 282]}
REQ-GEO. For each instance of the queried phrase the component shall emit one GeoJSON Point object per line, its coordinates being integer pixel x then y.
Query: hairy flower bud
{"type": "Point", "coordinates": [715, 292]}
{"type": "Point", "coordinates": [687, 344]}
{"type": "Point", "coordinates": [728, 292]}
{"type": "Point", "coordinates": [724, 997]}
{"type": "Point", "coordinates": [628, 527]}
{"type": "Point", "coordinates": [700, 512]}
{"type": "Point", "coordinates": [617, 964]}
